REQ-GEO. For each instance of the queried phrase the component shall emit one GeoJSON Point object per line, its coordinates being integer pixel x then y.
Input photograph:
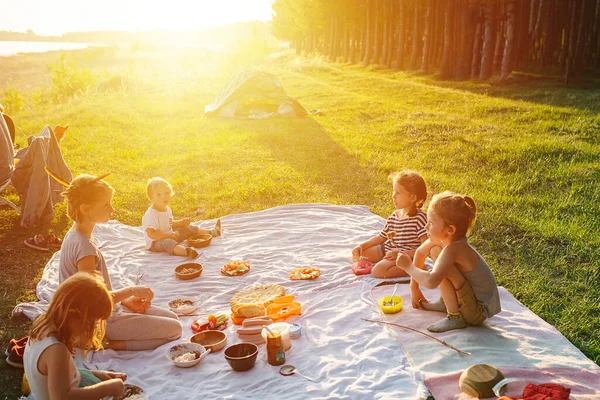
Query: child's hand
{"type": "Point", "coordinates": [117, 375]}
{"type": "Point", "coordinates": [175, 235]}
{"type": "Point", "coordinates": [115, 387]}
{"type": "Point", "coordinates": [390, 255]}
{"type": "Point", "coordinates": [107, 375]}
{"type": "Point", "coordinates": [136, 304]}
{"type": "Point", "coordinates": [143, 292]}
{"type": "Point", "coordinates": [417, 297]}
{"type": "Point", "coordinates": [390, 234]}
{"type": "Point", "coordinates": [186, 222]}
{"type": "Point", "coordinates": [403, 261]}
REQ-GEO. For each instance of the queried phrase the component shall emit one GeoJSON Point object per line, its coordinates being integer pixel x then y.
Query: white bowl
{"type": "Point", "coordinates": [182, 348]}
{"type": "Point", "coordinates": [183, 309]}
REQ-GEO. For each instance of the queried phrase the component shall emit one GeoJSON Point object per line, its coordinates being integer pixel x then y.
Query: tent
{"type": "Point", "coordinates": [254, 94]}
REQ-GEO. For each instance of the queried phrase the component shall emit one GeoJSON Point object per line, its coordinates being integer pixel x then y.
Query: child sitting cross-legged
{"type": "Point", "coordinates": [404, 230]}
{"type": "Point", "coordinates": [469, 294]}
{"type": "Point", "coordinates": [75, 319]}
{"type": "Point", "coordinates": [162, 233]}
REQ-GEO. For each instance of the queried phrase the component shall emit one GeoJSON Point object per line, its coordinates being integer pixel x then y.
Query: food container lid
{"type": "Point", "coordinates": [295, 330]}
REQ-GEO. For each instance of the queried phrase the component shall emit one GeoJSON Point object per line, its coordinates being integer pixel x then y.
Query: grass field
{"type": "Point", "coordinates": [527, 152]}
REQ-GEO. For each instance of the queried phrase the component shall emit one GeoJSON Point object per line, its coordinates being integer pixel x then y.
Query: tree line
{"type": "Point", "coordinates": [462, 39]}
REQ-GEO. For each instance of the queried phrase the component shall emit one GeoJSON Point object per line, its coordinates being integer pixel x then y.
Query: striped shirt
{"type": "Point", "coordinates": [408, 231]}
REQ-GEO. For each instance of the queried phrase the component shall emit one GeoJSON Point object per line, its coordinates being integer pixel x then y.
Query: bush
{"type": "Point", "coordinates": [68, 79]}
{"type": "Point", "coordinates": [13, 101]}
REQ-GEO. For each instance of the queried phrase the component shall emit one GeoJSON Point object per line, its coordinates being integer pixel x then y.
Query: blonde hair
{"type": "Point", "coordinates": [156, 182]}
{"type": "Point", "coordinates": [85, 189]}
{"type": "Point", "coordinates": [82, 297]}
{"type": "Point", "coordinates": [414, 184]}
{"type": "Point", "coordinates": [455, 209]}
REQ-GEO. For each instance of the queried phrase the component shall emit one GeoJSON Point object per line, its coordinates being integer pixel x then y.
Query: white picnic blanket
{"type": "Point", "coordinates": [348, 357]}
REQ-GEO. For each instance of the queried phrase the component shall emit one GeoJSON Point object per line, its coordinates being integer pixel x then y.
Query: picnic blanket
{"type": "Point", "coordinates": [348, 357]}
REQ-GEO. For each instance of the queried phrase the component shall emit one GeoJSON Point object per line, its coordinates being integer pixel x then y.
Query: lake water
{"type": "Point", "coordinates": [11, 48]}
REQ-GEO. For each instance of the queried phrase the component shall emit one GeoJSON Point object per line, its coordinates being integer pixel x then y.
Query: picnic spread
{"type": "Point", "coordinates": [275, 309]}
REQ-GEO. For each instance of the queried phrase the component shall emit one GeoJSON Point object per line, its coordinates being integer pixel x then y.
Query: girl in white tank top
{"type": "Point", "coordinates": [72, 321]}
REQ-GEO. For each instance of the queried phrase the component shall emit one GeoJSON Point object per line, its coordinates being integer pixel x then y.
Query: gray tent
{"type": "Point", "coordinates": [254, 94]}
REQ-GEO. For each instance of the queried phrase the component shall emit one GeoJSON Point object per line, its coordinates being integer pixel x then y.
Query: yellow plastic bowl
{"type": "Point", "coordinates": [391, 309]}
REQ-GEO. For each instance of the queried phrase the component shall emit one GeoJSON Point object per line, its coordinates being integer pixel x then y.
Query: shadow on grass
{"type": "Point", "coordinates": [305, 145]}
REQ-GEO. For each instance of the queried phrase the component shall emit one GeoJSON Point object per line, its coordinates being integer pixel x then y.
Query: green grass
{"type": "Point", "coordinates": [527, 152]}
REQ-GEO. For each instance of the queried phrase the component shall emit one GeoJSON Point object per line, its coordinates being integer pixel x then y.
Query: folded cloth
{"type": "Point", "coordinates": [544, 391]}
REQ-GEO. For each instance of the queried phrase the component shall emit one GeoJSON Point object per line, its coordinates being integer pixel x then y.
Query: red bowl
{"type": "Point", "coordinates": [362, 267]}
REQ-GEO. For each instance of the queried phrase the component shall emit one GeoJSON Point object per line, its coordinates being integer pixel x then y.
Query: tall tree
{"type": "Point", "coordinates": [489, 39]}
{"type": "Point", "coordinates": [508, 58]}
{"type": "Point", "coordinates": [400, 34]}
{"type": "Point", "coordinates": [446, 70]}
{"type": "Point", "coordinates": [417, 39]}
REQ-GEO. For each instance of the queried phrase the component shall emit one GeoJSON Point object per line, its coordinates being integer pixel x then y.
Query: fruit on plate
{"type": "Point", "coordinates": [235, 268]}
{"type": "Point", "coordinates": [301, 274]}
{"type": "Point", "coordinates": [210, 322]}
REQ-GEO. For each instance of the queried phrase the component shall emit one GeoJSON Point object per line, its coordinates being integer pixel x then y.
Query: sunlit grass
{"type": "Point", "coordinates": [527, 153]}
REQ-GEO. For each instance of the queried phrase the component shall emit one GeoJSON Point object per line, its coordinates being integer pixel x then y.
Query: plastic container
{"type": "Point", "coordinates": [295, 331]}
{"type": "Point", "coordinates": [362, 267]}
{"type": "Point", "coordinates": [393, 309]}
{"type": "Point", "coordinates": [284, 329]}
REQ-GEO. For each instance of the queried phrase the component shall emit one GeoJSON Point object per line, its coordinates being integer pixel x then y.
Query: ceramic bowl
{"type": "Point", "coordinates": [241, 356]}
{"type": "Point", "coordinates": [183, 348]}
{"type": "Point", "coordinates": [182, 309]}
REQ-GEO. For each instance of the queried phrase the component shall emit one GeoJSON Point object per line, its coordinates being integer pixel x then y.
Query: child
{"type": "Point", "coordinates": [404, 230]}
{"type": "Point", "coordinates": [162, 233]}
{"type": "Point", "coordinates": [467, 284]}
{"type": "Point", "coordinates": [137, 325]}
{"type": "Point", "coordinates": [72, 320]}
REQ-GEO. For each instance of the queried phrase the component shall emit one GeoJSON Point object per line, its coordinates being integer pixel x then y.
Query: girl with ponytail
{"type": "Point", "coordinates": [404, 230]}
{"type": "Point", "coordinates": [469, 294]}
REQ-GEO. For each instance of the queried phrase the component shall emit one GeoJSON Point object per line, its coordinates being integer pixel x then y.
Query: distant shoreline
{"type": "Point", "coordinates": [15, 47]}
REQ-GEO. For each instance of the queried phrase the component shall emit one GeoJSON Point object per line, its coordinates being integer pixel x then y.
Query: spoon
{"type": "Point", "coordinates": [204, 354]}
{"type": "Point", "coordinates": [288, 370]}
{"type": "Point", "coordinates": [392, 302]}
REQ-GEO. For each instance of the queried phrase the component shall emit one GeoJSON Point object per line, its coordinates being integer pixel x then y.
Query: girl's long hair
{"type": "Point", "coordinates": [77, 312]}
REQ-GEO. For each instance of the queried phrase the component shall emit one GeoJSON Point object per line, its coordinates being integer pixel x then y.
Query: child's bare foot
{"type": "Point", "coordinates": [216, 230]}
{"type": "Point", "coordinates": [59, 131]}
{"type": "Point", "coordinates": [452, 321]}
{"type": "Point", "coordinates": [434, 306]}
{"type": "Point", "coordinates": [191, 253]}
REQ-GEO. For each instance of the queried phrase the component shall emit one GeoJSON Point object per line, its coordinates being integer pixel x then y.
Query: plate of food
{"type": "Point", "coordinates": [183, 305]}
{"type": "Point", "coordinates": [302, 274]}
{"type": "Point", "coordinates": [132, 392]}
{"type": "Point", "coordinates": [235, 268]}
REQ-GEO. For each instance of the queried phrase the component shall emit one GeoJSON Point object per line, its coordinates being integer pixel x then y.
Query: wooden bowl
{"type": "Point", "coordinates": [478, 380]}
{"type": "Point", "coordinates": [192, 275]}
{"type": "Point", "coordinates": [241, 356]}
{"type": "Point", "coordinates": [199, 240]}
{"type": "Point", "coordinates": [213, 340]}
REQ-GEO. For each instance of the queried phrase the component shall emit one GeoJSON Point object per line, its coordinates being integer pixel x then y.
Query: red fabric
{"type": "Point", "coordinates": [545, 391]}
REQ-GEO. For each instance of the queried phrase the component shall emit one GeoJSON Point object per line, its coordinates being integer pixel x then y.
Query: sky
{"type": "Point", "coordinates": [55, 17]}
